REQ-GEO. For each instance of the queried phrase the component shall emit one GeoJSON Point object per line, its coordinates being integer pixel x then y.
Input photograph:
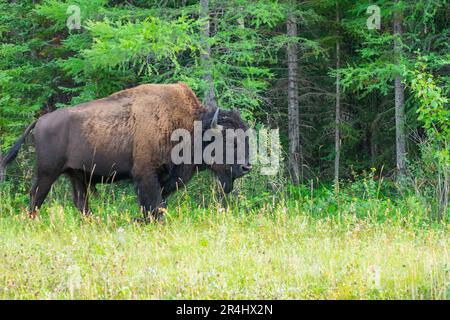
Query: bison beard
{"type": "Point", "coordinates": [123, 136]}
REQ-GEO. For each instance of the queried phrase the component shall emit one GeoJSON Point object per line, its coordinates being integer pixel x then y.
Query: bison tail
{"type": "Point", "coordinates": [13, 152]}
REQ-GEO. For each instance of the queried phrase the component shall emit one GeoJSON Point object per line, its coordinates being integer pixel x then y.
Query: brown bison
{"type": "Point", "coordinates": [125, 136]}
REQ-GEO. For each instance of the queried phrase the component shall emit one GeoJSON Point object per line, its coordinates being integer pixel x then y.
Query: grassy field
{"type": "Point", "coordinates": [304, 245]}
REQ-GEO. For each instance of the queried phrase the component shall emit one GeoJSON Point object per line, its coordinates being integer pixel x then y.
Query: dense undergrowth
{"type": "Point", "coordinates": [266, 240]}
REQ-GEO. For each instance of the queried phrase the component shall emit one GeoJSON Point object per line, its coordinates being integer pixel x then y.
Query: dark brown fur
{"type": "Point", "coordinates": [123, 136]}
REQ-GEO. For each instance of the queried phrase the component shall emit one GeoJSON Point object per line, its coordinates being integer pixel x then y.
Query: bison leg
{"type": "Point", "coordinates": [39, 192]}
{"type": "Point", "coordinates": [80, 194]}
{"type": "Point", "coordinates": [93, 189]}
{"type": "Point", "coordinates": [149, 195]}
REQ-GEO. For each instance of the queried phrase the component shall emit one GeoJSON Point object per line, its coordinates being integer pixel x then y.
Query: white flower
{"type": "Point", "coordinates": [151, 271]}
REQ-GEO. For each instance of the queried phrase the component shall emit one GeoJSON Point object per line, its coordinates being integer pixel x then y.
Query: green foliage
{"type": "Point", "coordinates": [44, 66]}
{"type": "Point", "coordinates": [139, 44]}
{"type": "Point", "coordinates": [293, 243]}
{"type": "Point", "coordinates": [268, 239]}
{"type": "Point", "coordinates": [56, 11]}
{"type": "Point", "coordinates": [429, 179]}
{"type": "Point", "coordinates": [434, 168]}
{"type": "Point", "coordinates": [22, 72]}
{"type": "Point", "coordinates": [434, 109]}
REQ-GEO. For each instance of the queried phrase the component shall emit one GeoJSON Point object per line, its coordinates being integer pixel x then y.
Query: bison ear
{"type": "Point", "coordinates": [214, 122]}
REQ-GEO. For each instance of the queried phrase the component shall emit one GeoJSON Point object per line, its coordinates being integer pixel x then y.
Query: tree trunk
{"type": "Point", "coordinates": [293, 104]}
{"type": "Point", "coordinates": [400, 140]}
{"type": "Point", "coordinates": [210, 97]}
{"type": "Point", "coordinates": [374, 129]}
{"type": "Point", "coordinates": [444, 193]}
{"type": "Point", "coordinates": [337, 138]}
{"type": "Point", "coordinates": [2, 169]}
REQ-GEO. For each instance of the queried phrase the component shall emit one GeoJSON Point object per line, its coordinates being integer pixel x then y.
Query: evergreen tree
{"type": "Point", "coordinates": [345, 97]}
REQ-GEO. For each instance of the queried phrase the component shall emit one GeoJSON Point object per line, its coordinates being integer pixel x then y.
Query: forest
{"type": "Point", "coordinates": [359, 91]}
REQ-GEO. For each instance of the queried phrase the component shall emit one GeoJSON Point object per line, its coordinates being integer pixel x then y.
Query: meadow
{"type": "Point", "coordinates": [348, 85]}
{"type": "Point", "coordinates": [370, 242]}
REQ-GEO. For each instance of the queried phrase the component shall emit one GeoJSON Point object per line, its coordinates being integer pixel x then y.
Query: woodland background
{"type": "Point", "coordinates": [360, 207]}
{"type": "Point", "coordinates": [345, 97]}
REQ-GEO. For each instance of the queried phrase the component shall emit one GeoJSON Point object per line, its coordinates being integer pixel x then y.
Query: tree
{"type": "Point", "coordinates": [400, 141]}
{"type": "Point", "coordinates": [340, 97]}
{"type": "Point", "coordinates": [210, 96]}
{"type": "Point", "coordinates": [293, 104]}
{"type": "Point", "coordinates": [2, 169]}
{"type": "Point", "coordinates": [337, 137]}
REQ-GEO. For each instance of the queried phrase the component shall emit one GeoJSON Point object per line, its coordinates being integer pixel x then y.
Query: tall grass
{"type": "Point", "coordinates": [266, 241]}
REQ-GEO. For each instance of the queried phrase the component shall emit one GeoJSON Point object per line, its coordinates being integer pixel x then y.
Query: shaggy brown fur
{"type": "Point", "coordinates": [123, 136]}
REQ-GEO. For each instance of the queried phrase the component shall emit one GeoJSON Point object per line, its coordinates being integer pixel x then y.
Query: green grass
{"type": "Point", "coordinates": [293, 244]}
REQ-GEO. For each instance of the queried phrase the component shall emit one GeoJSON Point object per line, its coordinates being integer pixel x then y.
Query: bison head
{"type": "Point", "coordinates": [236, 147]}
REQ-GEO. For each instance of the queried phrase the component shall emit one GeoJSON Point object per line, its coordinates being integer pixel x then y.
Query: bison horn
{"type": "Point", "coordinates": [215, 119]}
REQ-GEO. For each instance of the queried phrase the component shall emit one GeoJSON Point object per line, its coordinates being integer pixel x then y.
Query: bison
{"type": "Point", "coordinates": [126, 136]}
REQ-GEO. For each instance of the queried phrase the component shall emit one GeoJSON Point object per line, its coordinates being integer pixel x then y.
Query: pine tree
{"type": "Point", "coordinates": [400, 140]}
{"type": "Point", "coordinates": [293, 106]}
{"type": "Point", "coordinates": [210, 97]}
{"type": "Point", "coordinates": [337, 139]}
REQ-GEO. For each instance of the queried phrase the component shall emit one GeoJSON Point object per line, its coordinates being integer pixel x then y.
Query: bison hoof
{"type": "Point", "coordinates": [160, 218]}
{"type": "Point", "coordinates": [157, 218]}
{"type": "Point", "coordinates": [89, 217]}
{"type": "Point", "coordinates": [141, 220]}
{"type": "Point", "coordinates": [86, 214]}
{"type": "Point", "coordinates": [33, 214]}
